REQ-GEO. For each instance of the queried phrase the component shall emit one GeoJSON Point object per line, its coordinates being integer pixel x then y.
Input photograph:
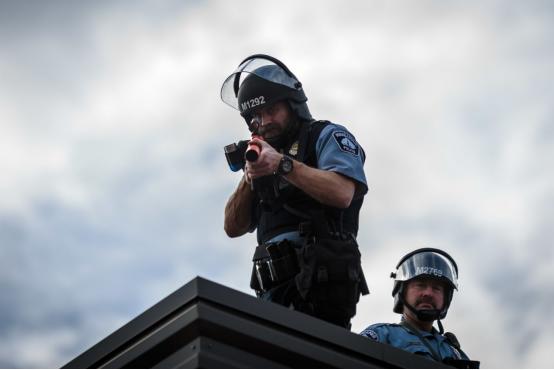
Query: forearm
{"type": "Point", "coordinates": [238, 210]}
{"type": "Point", "coordinates": [327, 187]}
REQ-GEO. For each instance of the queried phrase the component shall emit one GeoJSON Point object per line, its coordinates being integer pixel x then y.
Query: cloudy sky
{"type": "Point", "coordinates": [114, 181]}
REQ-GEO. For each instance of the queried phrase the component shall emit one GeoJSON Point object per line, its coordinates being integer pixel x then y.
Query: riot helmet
{"type": "Point", "coordinates": [425, 262]}
{"type": "Point", "coordinates": [261, 80]}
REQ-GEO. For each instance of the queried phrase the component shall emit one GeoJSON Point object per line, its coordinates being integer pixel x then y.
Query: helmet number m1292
{"type": "Point", "coordinates": [254, 102]}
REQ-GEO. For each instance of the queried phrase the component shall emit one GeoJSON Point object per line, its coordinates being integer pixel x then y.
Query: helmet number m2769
{"type": "Point", "coordinates": [426, 270]}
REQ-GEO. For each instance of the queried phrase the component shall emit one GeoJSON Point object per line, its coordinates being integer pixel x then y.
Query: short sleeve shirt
{"type": "Point", "coordinates": [337, 150]}
{"type": "Point", "coordinates": [400, 337]}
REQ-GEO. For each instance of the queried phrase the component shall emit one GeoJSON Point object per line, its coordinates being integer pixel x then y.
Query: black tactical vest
{"type": "Point", "coordinates": [281, 207]}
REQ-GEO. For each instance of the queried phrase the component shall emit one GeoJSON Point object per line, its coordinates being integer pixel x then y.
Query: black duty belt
{"type": "Point", "coordinates": [279, 265]}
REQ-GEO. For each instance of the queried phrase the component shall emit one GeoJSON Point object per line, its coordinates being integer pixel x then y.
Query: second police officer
{"type": "Point", "coordinates": [303, 194]}
{"type": "Point", "coordinates": [424, 284]}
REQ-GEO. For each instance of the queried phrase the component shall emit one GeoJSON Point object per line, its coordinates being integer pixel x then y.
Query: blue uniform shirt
{"type": "Point", "coordinates": [337, 150]}
{"type": "Point", "coordinates": [403, 338]}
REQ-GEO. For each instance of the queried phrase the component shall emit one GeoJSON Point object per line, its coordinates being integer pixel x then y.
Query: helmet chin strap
{"type": "Point", "coordinates": [426, 315]}
{"type": "Point", "coordinates": [441, 329]}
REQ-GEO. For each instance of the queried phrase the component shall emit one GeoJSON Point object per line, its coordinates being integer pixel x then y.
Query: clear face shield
{"type": "Point", "coordinates": [263, 68]}
{"type": "Point", "coordinates": [428, 263]}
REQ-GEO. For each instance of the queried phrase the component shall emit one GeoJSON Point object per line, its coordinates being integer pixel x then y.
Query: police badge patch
{"type": "Point", "coordinates": [346, 142]}
{"type": "Point", "coordinates": [294, 149]}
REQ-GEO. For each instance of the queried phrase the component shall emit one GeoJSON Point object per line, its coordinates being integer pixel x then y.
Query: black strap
{"type": "Point", "coordinates": [452, 340]}
{"type": "Point", "coordinates": [309, 133]}
{"type": "Point", "coordinates": [303, 140]}
{"type": "Point", "coordinates": [425, 342]}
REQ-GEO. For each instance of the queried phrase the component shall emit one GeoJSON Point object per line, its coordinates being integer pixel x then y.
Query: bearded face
{"type": "Point", "coordinates": [276, 123]}
{"type": "Point", "coordinates": [425, 294]}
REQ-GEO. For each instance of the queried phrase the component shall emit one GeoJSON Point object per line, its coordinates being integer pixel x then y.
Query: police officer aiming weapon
{"type": "Point", "coordinates": [305, 206]}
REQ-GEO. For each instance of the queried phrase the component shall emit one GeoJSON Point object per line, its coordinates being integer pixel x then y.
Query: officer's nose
{"type": "Point", "coordinates": [427, 291]}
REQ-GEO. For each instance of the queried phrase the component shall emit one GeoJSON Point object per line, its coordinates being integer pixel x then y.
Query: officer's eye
{"type": "Point", "coordinates": [271, 110]}
{"type": "Point", "coordinates": [438, 288]}
{"type": "Point", "coordinates": [257, 116]}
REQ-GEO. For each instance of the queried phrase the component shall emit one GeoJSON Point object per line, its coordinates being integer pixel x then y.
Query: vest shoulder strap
{"type": "Point", "coordinates": [452, 340]}
{"type": "Point", "coordinates": [308, 138]}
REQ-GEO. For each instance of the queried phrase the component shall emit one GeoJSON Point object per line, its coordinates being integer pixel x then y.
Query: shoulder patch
{"type": "Point", "coordinates": [372, 334]}
{"type": "Point", "coordinates": [346, 142]}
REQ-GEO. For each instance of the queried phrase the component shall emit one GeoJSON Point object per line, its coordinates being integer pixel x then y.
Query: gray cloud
{"type": "Point", "coordinates": [114, 181]}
